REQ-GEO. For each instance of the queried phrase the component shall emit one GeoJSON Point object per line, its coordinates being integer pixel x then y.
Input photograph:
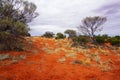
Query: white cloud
{"type": "Point", "coordinates": [59, 15]}
{"type": "Point", "coordinates": [41, 29]}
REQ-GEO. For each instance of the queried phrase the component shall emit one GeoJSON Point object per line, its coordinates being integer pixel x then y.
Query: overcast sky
{"type": "Point", "coordinates": [59, 15]}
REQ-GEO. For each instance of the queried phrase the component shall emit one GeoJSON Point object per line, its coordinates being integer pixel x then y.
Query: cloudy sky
{"type": "Point", "coordinates": [59, 15]}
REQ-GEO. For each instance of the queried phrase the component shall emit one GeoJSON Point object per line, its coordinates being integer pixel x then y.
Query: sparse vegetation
{"type": "Point", "coordinates": [59, 56]}
{"type": "Point", "coordinates": [50, 56]}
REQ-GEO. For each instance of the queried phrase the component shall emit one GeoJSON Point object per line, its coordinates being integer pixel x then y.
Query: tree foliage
{"type": "Point", "coordinates": [115, 40]}
{"type": "Point", "coordinates": [60, 36]}
{"type": "Point", "coordinates": [101, 39]}
{"type": "Point", "coordinates": [71, 33]}
{"type": "Point", "coordinates": [48, 34]}
{"type": "Point", "coordinates": [90, 25]}
{"type": "Point", "coordinates": [18, 10]}
{"type": "Point", "coordinates": [14, 18]}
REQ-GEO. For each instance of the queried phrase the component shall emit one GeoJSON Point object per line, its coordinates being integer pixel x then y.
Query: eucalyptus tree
{"type": "Point", "coordinates": [91, 25]}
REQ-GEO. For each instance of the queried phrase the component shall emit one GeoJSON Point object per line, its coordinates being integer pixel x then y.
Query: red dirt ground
{"type": "Point", "coordinates": [48, 60]}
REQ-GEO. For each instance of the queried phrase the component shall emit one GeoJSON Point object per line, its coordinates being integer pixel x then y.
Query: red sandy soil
{"type": "Point", "coordinates": [40, 65]}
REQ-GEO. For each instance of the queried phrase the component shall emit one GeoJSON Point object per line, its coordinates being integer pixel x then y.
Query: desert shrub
{"type": "Point", "coordinates": [101, 39]}
{"type": "Point", "coordinates": [28, 34]}
{"type": "Point", "coordinates": [12, 34]}
{"type": "Point", "coordinates": [48, 34]}
{"type": "Point", "coordinates": [115, 40]}
{"type": "Point", "coordinates": [83, 40]}
{"type": "Point", "coordinates": [80, 40]}
{"type": "Point", "coordinates": [14, 18]}
{"type": "Point", "coordinates": [60, 36]}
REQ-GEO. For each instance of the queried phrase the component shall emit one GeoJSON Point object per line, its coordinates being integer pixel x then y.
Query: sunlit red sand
{"type": "Point", "coordinates": [52, 59]}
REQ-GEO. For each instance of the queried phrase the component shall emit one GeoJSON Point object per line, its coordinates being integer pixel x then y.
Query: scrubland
{"type": "Point", "coordinates": [51, 59]}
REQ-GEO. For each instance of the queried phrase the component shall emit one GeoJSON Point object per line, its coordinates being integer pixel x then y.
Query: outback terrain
{"type": "Point", "coordinates": [50, 59]}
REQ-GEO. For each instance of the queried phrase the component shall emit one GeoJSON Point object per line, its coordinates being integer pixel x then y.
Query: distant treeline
{"type": "Point", "coordinates": [83, 39]}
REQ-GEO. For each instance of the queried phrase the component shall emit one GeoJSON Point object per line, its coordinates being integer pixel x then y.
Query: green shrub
{"type": "Point", "coordinates": [60, 36]}
{"type": "Point", "coordinates": [115, 40]}
{"type": "Point", "coordinates": [100, 39]}
{"type": "Point", "coordinates": [14, 23]}
{"type": "Point", "coordinates": [12, 34]}
{"type": "Point", "coordinates": [48, 34]}
{"type": "Point", "coordinates": [80, 40]}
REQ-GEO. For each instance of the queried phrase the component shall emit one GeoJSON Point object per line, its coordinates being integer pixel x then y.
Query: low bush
{"type": "Point", "coordinates": [48, 34]}
{"type": "Point", "coordinates": [79, 41]}
{"type": "Point", "coordinates": [12, 34]}
{"type": "Point", "coordinates": [115, 40]}
{"type": "Point", "coordinates": [60, 36]}
{"type": "Point", "coordinates": [101, 39]}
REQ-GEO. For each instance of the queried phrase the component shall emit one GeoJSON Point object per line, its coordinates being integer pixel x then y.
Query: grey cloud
{"type": "Point", "coordinates": [110, 9]}
{"type": "Point", "coordinates": [112, 12]}
{"type": "Point", "coordinates": [65, 14]}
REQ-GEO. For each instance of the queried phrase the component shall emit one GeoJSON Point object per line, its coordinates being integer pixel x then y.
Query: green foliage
{"type": "Point", "coordinates": [101, 39]}
{"type": "Point", "coordinates": [14, 16]}
{"type": "Point", "coordinates": [28, 34]}
{"type": "Point", "coordinates": [115, 40]}
{"type": "Point", "coordinates": [60, 36]}
{"type": "Point", "coordinates": [71, 33]}
{"type": "Point", "coordinates": [48, 34]}
{"type": "Point", "coordinates": [83, 40]}
{"type": "Point", "coordinates": [80, 40]}
{"type": "Point", "coordinates": [18, 10]}
{"type": "Point", "coordinates": [12, 33]}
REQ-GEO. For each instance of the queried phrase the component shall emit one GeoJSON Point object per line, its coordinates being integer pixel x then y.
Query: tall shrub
{"type": "Point", "coordinates": [14, 18]}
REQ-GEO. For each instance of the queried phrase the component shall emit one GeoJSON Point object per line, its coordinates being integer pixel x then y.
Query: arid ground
{"type": "Point", "coordinates": [50, 59]}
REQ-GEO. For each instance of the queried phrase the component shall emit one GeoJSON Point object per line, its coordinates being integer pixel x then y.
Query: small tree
{"type": "Point", "coordinates": [60, 36]}
{"type": "Point", "coordinates": [90, 25]}
{"type": "Point", "coordinates": [71, 33]}
{"type": "Point", "coordinates": [48, 34]}
{"type": "Point", "coordinates": [14, 18]}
